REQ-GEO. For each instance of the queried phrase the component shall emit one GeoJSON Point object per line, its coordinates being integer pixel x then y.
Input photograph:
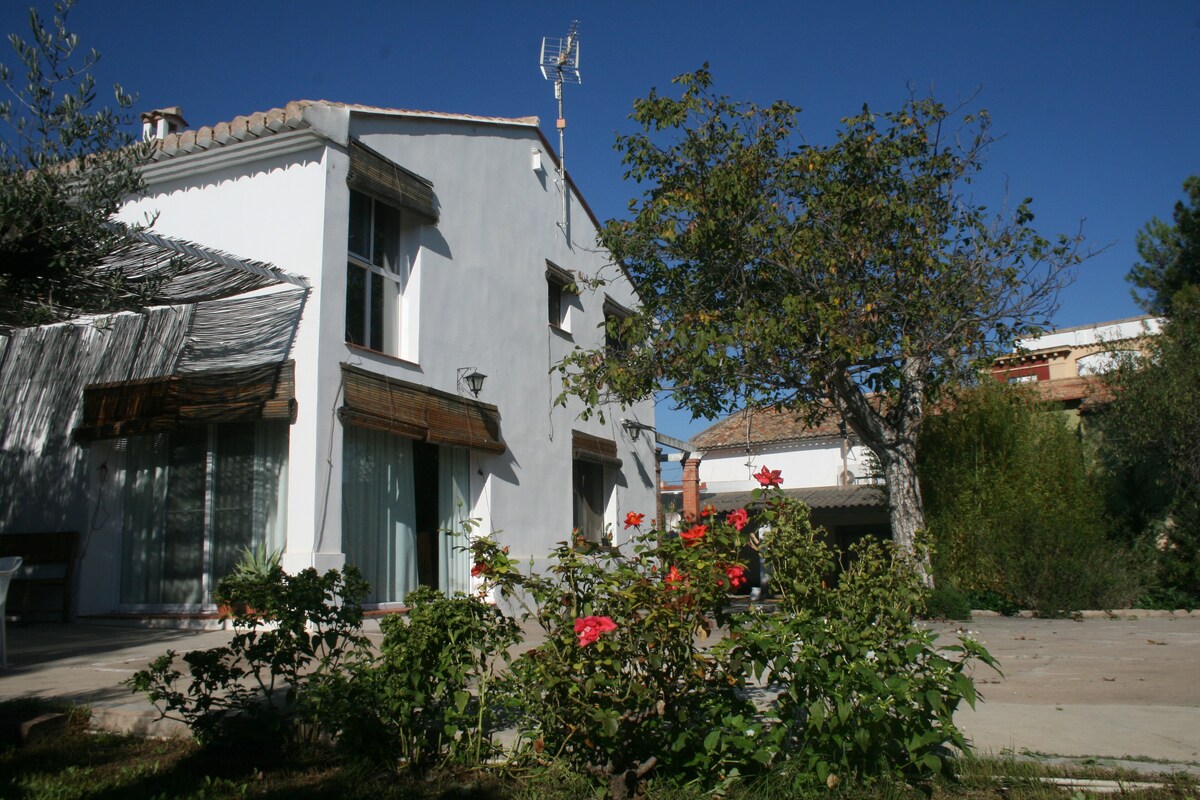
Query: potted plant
{"type": "Point", "coordinates": [243, 593]}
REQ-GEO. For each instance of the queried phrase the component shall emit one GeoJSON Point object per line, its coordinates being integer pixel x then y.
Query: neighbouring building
{"type": "Point", "coordinates": [331, 406]}
{"type": "Point", "coordinates": [826, 466]}
{"type": "Point", "coordinates": [1064, 365]}
{"type": "Point", "coordinates": [823, 464]}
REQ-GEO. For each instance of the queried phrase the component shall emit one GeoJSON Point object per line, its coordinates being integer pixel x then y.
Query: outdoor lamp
{"type": "Point", "coordinates": [634, 428]}
{"type": "Point", "coordinates": [473, 379]}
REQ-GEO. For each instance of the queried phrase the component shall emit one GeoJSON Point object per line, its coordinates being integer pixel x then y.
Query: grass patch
{"type": "Point", "coordinates": [92, 765]}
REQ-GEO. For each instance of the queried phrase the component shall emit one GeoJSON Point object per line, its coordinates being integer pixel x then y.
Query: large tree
{"type": "Point", "coordinates": [1152, 426]}
{"type": "Point", "coordinates": [1170, 254]}
{"type": "Point", "coordinates": [65, 168]}
{"type": "Point", "coordinates": [854, 278]}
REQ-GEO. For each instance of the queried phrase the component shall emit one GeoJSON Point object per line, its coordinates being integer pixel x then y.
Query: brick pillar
{"type": "Point", "coordinates": [691, 488]}
{"type": "Point", "coordinates": [658, 488]}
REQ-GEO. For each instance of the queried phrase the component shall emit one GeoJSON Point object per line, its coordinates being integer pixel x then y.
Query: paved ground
{"type": "Point", "coordinates": [1111, 688]}
{"type": "Point", "coordinates": [1097, 687]}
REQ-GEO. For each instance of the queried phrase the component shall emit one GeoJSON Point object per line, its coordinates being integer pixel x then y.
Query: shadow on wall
{"type": "Point", "coordinates": [44, 480]}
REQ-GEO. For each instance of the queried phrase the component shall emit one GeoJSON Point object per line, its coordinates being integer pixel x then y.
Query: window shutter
{"type": "Point", "coordinates": [374, 174]}
{"type": "Point", "coordinates": [586, 447]}
{"type": "Point", "coordinates": [156, 405]}
{"type": "Point", "coordinates": [418, 412]}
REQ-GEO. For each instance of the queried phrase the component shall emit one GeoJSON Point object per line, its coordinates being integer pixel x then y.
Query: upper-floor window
{"type": "Point", "coordinates": [373, 273]}
{"type": "Point", "coordinates": [615, 315]}
{"type": "Point", "coordinates": [559, 288]}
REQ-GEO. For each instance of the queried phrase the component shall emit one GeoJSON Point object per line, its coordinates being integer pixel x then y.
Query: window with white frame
{"type": "Point", "coordinates": [373, 274]}
{"type": "Point", "coordinates": [590, 495]}
{"type": "Point", "coordinates": [560, 286]}
{"type": "Point", "coordinates": [594, 465]}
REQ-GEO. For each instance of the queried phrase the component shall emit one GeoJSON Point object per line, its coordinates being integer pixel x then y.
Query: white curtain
{"type": "Point", "coordinates": [378, 511]}
{"type": "Point", "coordinates": [454, 505]}
{"type": "Point", "coordinates": [249, 492]}
{"type": "Point", "coordinates": [175, 546]}
{"type": "Point", "coordinates": [144, 506]}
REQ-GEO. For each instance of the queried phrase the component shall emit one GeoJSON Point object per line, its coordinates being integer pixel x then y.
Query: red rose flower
{"type": "Point", "coordinates": [736, 574]}
{"type": "Point", "coordinates": [738, 519]}
{"type": "Point", "coordinates": [480, 568]}
{"type": "Point", "coordinates": [708, 511]}
{"type": "Point", "coordinates": [768, 477]}
{"type": "Point", "coordinates": [675, 579]}
{"type": "Point", "coordinates": [633, 520]}
{"type": "Point", "coordinates": [693, 534]}
{"type": "Point", "coordinates": [589, 628]}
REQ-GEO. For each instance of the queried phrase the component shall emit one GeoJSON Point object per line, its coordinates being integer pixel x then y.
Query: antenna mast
{"type": "Point", "coordinates": [560, 63]}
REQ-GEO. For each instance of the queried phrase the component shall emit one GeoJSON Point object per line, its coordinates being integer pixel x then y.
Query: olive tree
{"type": "Point", "coordinates": [65, 168]}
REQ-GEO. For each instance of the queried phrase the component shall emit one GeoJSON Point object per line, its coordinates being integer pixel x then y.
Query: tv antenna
{"type": "Point", "coordinates": [560, 63]}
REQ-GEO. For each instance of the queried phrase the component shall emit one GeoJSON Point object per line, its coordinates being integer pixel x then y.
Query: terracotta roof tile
{"type": "Point", "coordinates": [765, 426]}
{"type": "Point", "coordinates": [291, 117]}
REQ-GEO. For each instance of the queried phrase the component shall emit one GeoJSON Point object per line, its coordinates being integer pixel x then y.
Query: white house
{"type": "Point", "coordinates": [821, 464]}
{"type": "Point", "coordinates": [433, 248]}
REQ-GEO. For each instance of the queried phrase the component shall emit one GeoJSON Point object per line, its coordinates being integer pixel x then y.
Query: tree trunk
{"type": "Point", "coordinates": [904, 503]}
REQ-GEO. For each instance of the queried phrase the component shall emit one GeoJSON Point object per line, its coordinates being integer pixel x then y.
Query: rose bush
{"type": "Point", "coordinates": [630, 679]}
{"type": "Point", "coordinates": [624, 682]}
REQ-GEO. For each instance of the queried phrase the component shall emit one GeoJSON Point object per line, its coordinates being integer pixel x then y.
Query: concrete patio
{"type": "Point", "coordinates": [1111, 688]}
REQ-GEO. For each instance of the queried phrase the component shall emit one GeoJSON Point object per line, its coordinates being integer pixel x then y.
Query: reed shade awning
{"type": "Point", "coordinates": [158, 405]}
{"type": "Point", "coordinates": [376, 174]}
{"type": "Point", "coordinates": [417, 412]}
{"type": "Point", "coordinates": [585, 447]}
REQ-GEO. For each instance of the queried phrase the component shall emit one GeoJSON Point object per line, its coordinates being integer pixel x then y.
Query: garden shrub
{"type": "Point", "coordinates": [645, 671]}
{"type": "Point", "coordinates": [631, 681]}
{"type": "Point", "coordinates": [864, 692]}
{"type": "Point", "coordinates": [292, 633]}
{"type": "Point", "coordinates": [1150, 435]}
{"type": "Point", "coordinates": [623, 683]}
{"type": "Point", "coordinates": [947, 602]}
{"type": "Point", "coordinates": [990, 600]}
{"type": "Point", "coordinates": [1015, 507]}
{"type": "Point", "coordinates": [428, 698]}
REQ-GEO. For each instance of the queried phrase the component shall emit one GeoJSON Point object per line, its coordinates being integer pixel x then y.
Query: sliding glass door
{"type": "Point", "coordinates": [193, 498]}
{"type": "Point", "coordinates": [400, 500]}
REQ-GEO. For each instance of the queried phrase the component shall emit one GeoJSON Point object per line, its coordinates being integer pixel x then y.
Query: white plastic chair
{"type": "Point", "coordinates": [8, 567]}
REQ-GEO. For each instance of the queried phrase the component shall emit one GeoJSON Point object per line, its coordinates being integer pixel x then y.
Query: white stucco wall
{"type": "Point", "coordinates": [483, 305]}
{"type": "Point", "coordinates": [476, 298]}
{"type": "Point", "coordinates": [1098, 333]}
{"type": "Point", "coordinates": [816, 462]}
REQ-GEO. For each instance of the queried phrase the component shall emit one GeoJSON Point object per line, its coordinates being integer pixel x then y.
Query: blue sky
{"type": "Point", "coordinates": [1097, 103]}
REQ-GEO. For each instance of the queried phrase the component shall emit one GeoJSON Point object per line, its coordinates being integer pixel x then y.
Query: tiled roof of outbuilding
{"type": "Point", "coordinates": [816, 497]}
{"type": "Point", "coordinates": [763, 426]}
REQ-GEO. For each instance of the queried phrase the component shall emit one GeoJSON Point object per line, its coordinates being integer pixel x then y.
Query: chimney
{"type": "Point", "coordinates": [161, 122]}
